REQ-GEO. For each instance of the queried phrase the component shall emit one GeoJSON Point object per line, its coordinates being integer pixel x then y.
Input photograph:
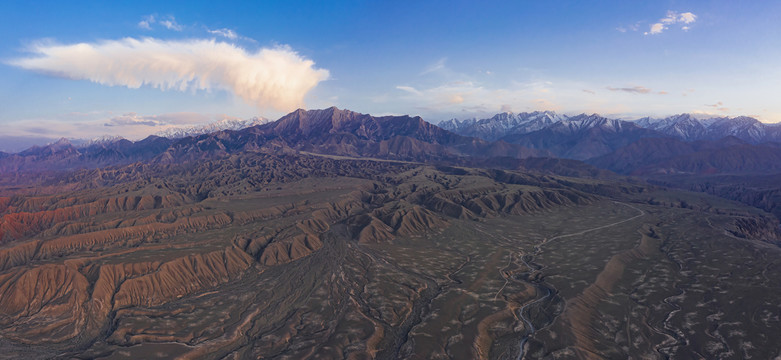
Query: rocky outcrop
{"type": "Point", "coordinates": [46, 304]}
{"type": "Point", "coordinates": [375, 231]}
{"type": "Point", "coordinates": [290, 249]}
{"type": "Point", "coordinates": [57, 302]}
{"type": "Point", "coordinates": [758, 228]}
{"type": "Point", "coordinates": [182, 276]}
{"type": "Point", "coordinates": [399, 219]}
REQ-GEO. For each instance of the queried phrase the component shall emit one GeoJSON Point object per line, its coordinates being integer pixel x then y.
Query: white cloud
{"type": "Point", "coordinates": [226, 33]}
{"type": "Point", "coordinates": [656, 29]}
{"type": "Point", "coordinates": [133, 119]}
{"type": "Point", "coordinates": [275, 78]}
{"type": "Point", "coordinates": [672, 18]}
{"type": "Point", "coordinates": [409, 89]}
{"type": "Point", "coordinates": [171, 24]}
{"type": "Point", "coordinates": [146, 22]}
{"type": "Point", "coordinates": [687, 18]}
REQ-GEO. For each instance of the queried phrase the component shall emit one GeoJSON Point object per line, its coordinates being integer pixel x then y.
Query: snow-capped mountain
{"type": "Point", "coordinates": [689, 127]}
{"type": "Point", "coordinates": [683, 126]}
{"type": "Point", "coordinates": [582, 136]}
{"type": "Point", "coordinates": [225, 124]}
{"type": "Point", "coordinates": [582, 122]}
{"type": "Point", "coordinates": [502, 124]}
{"type": "Point", "coordinates": [101, 140]}
{"type": "Point", "coordinates": [507, 124]}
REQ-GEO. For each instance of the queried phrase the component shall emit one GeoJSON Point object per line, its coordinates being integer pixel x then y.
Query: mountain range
{"type": "Point", "coordinates": [690, 128]}
{"type": "Point", "coordinates": [224, 124]}
{"type": "Point", "coordinates": [329, 131]}
{"type": "Point", "coordinates": [677, 144]}
{"type": "Point", "coordinates": [686, 127]}
{"type": "Point", "coordinates": [335, 234]}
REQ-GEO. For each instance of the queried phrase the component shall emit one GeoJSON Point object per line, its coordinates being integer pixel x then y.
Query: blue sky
{"type": "Point", "coordinates": [83, 69]}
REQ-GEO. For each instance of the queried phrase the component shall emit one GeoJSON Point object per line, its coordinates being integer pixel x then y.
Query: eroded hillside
{"type": "Point", "coordinates": [264, 256]}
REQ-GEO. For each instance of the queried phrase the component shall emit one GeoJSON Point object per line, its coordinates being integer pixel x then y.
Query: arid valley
{"type": "Point", "coordinates": [509, 180]}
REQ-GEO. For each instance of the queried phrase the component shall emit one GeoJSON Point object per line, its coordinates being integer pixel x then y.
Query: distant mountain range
{"type": "Point", "coordinates": [681, 151]}
{"type": "Point", "coordinates": [578, 137]}
{"type": "Point", "coordinates": [503, 124]}
{"type": "Point", "coordinates": [684, 126]}
{"type": "Point", "coordinates": [329, 131]}
{"type": "Point", "coordinates": [224, 124]}
{"type": "Point", "coordinates": [681, 144]}
{"type": "Point", "coordinates": [608, 142]}
{"type": "Point", "coordinates": [690, 128]}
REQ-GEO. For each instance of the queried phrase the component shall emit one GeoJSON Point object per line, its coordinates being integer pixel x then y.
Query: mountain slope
{"type": "Point", "coordinates": [62, 155]}
{"type": "Point", "coordinates": [343, 132]}
{"type": "Point", "coordinates": [582, 137]}
{"type": "Point", "coordinates": [655, 156]}
{"type": "Point", "coordinates": [577, 137]}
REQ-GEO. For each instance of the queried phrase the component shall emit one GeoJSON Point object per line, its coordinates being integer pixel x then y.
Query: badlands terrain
{"type": "Point", "coordinates": [331, 234]}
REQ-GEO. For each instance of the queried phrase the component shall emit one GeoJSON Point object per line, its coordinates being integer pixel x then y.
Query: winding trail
{"type": "Point", "coordinates": [546, 241]}
{"type": "Point", "coordinates": [540, 285]}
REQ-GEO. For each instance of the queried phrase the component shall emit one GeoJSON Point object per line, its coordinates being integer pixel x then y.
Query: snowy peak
{"type": "Point", "coordinates": [455, 124]}
{"type": "Point", "coordinates": [583, 121]}
{"type": "Point", "coordinates": [508, 124]}
{"type": "Point", "coordinates": [690, 128]}
{"type": "Point", "coordinates": [745, 128]}
{"type": "Point", "coordinates": [224, 124]}
{"type": "Point", "coordinates": [102, 140]}
{"type": "Point", "coordinates": [683, 126]}
{"type": "Point", "coordinates": [503, 124]}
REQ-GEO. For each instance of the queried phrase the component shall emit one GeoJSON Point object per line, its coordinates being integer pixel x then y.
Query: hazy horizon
{"type": "Point", "coordinates": [17, 143]}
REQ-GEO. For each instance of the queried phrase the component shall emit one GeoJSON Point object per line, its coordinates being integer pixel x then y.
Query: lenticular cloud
{"type": "Point", "coordinates": [277, 78]}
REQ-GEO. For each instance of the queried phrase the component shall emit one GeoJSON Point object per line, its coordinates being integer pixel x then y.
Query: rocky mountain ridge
{"type": "Point", "coordinates": [224, 124]}
{"type": "Point", "coordinates": [329, 131]}
{"type": "Point", "coordinates": [686, 127]}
